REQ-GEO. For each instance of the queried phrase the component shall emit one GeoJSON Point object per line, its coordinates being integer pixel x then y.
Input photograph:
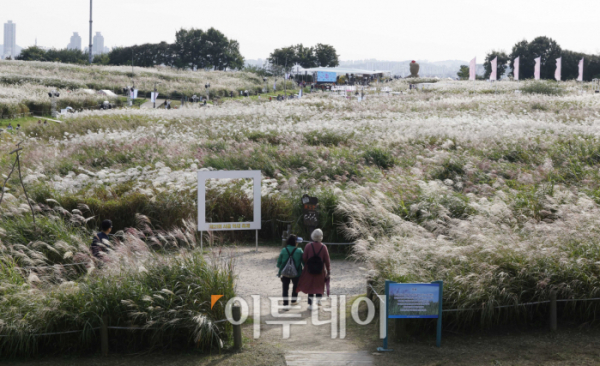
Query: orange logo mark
{"type": "Point", "coordinates": [214, 299]}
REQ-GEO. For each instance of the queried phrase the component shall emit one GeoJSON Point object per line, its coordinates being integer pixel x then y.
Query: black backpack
{"type": "Point", "coordinates": [315, 263]}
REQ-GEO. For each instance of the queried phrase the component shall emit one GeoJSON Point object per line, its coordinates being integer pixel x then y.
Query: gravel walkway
{"type": "Point", "coordinates": [256, 274]}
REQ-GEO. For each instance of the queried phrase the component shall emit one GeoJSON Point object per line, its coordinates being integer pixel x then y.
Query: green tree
{"type": "Point", "coordinates": [66, 56]}
{"type": "Point", "coordinates": [549, 50]}
{"type": "Point", "coordinates": [32, 53]}
{"type": "Point", "coordinates": [235, 60]}
{"type": "Point", "coordinates": [220, 52]}
{"type": "Point", "coordinates": [190, 49]}
{"type": "Point", "coordinates": [70, 56]}
{"type": "Point", "coordinates": [305, 56]}
{"type": "Point", "coordinates": [283, 56]}
{"type": "Point", "coordinates": [543, 47]}
{"type": "Point", "coordinates": [463, 73]}
{"type": "Point", "coordinates": [326, 55]}
{"type": "Point", "coordinates": [193, 49]}
{"type": "Point", "coordinates": [102, 59]}
{"type": "Point", "coordinates": [526, 63]}
{"type": "Point", "coordinates": [502, 63]}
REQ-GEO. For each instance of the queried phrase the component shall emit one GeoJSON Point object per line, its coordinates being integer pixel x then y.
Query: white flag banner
{"type": "Point", "coordinates": [472, 69]}
{"type": "Point", "coordinates": [494, 74]}
{"type": "Point", "coordinates": [558, 72]}
{"type": "Point", "coordinates": [275, 85]}
{"type": "Point", "coordinates": [135, 93]}
{"type": "Point", "coordinates": [300, 93]}
{"type": "Point", "coordinates": [516, 68]}
{"type": "Point", "coordinates": [580, 77]}
{"type": "Point", "coordinates": [154, 97]}
{"type": "Point", "coordinates": [538, 68]}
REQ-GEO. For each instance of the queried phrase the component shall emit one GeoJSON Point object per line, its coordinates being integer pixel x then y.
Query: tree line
{"type": "Point", "coordinates": [549, 50]}
{"type": "Point", "coordinates": [321, 55]}
{"type": "Point", "coordinates": [193, 49]}
{"type": "Point", "coordinates": [68, 56]}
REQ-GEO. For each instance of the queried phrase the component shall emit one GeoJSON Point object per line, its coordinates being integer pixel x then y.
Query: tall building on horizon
{"type": "Point", "coordinates": [75, 43]}
{"type": "Point", "coordinates": [10, 40]}
{"type": "Point", "coordinates": [98, 46]}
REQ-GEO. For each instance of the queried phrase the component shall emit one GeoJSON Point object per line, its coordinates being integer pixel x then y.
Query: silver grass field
{"type": "Point", "coordinates": [493, 191]}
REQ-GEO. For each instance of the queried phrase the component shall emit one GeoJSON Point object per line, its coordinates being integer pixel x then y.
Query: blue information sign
{"type": "Point", "coordinates": [413, 301]}
{"type": "Point", "coordinates": [326, 77]}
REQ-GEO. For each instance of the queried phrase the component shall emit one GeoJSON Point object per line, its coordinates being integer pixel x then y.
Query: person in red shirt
{"type": "Point", "coordinates": [317, 269]}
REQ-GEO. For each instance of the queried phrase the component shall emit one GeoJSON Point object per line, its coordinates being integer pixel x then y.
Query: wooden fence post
{"type": "Point", "coordinates": [104, 336]}
{"type": "Point", "coordinates": [236, 311]}
{"type": "Point", "coordinates": [553, 316]}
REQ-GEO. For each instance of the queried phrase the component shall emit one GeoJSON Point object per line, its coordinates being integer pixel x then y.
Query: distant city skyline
{"type": "Point", "coordinates": [432, 30]}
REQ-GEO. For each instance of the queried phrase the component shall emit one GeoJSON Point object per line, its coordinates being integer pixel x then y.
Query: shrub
{"type": "Point", "coordinates": [43, 292]}
{"type": "Point", "coordinates": [449, 169]}
{"type": "Point", "coordinates": [326, 138]}
{"type": "Point", "coordinates": [380, 157]}
{"type": "Point", "coordinates": [545, 88]}
{"type": "Point", "coordinates": [170, 299]}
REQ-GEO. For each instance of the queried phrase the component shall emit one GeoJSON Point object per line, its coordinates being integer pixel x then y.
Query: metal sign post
{"type": "Point", "coordinates": [413, 301]}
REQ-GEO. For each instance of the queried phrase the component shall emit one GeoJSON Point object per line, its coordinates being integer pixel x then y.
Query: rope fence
{"type": "Point", "coordinates": [285, 222]}
{"type": "Point", "coordinates": [503, 306]}
{"type": "Point", "coordinates": [95, 328]}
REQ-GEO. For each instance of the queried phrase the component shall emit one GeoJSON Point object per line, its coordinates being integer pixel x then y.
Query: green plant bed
{"type": "Point", "coordinates": [49, 283]}
{"type": "Point", "coordinates": [170, 298]}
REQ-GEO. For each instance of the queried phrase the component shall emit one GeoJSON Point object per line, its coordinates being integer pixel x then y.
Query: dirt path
{"type": "Point", "coordinates": [256, 275]}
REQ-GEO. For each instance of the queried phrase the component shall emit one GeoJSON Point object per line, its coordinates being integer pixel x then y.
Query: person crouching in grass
{"type": "Point", "coordinates": [290, 268]}
{"type": "Point", "coordinates": [100, 242]}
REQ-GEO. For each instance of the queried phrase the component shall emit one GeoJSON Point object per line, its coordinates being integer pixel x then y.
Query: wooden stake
{"type": "Point", "coordinates": [236, 311]}
{"type": "Point", "coordinates": [553, 317]}
{"type": "Point", "coordinates": [104, 336]}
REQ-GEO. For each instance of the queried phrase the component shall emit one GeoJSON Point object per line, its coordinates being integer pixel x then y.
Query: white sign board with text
{"type": "Point", "coordinates": [255, 175]}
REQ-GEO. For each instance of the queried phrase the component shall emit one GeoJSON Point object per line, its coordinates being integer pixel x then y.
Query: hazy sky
{"type": "Point", "coordinates": [391, 30]}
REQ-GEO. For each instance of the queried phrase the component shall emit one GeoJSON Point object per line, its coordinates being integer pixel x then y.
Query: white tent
{"type": "Point", "coordinates": [344, 71]}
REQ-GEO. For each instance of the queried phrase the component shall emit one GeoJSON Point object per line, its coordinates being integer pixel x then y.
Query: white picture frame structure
{"type": "Point", "coordinates": [255, 175]}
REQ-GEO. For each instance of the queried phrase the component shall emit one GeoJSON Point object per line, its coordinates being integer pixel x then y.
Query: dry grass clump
{"type": "Point", "coordinates": [149, 279]}
{"type": "Point", "coordinates": [489, 259]}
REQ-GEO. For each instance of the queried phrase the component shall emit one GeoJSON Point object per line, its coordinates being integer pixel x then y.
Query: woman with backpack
{"type": "Point", "coordinates": [290, 267]}
{"type": "Point", "coordinates": [317, 269]}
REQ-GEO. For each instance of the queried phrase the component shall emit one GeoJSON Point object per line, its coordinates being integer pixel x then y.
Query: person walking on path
{"type": "Point", "coordinates": [317, 269]}
{"type": "Point", "coordinates": [287, 275]}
